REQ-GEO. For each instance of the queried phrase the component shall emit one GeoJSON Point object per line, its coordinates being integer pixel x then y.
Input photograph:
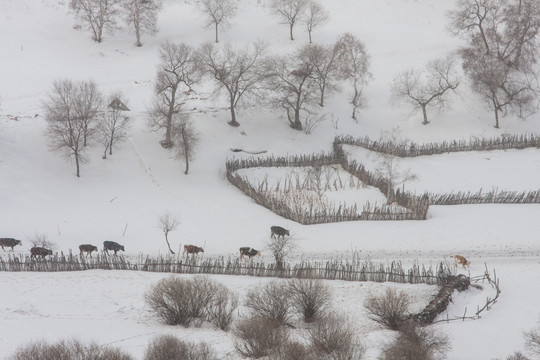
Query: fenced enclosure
{"type": "Point", "coordinates": [355, 269]}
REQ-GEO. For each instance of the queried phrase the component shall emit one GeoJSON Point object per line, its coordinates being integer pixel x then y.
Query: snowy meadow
{"type": "Point", "coordinates": [122, 197]}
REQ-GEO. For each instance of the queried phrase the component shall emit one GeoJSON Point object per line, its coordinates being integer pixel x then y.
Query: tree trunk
{"type": "Point", "coordinates": [495, 106]}
{"type": "Point", "coordinates": [233, 121]}
{"type": "Point", "coordinates": [217, 40]}
{"type": "Point", "coordinates": [290, 31]}
{"type": "Point", "coordinates": [138, 35]}
{"type": "Point", "coordinates": [77, 163]}
{"type": "Point", "coordinates": [297, 124]}
{"type": "Point", "coordinates": [169, 245]}
{"type": "Point", "coordinates": [322, 88]}
{"type": "Point", "coordinates": [186, 153]}
{"type": "Point", "coordinates": [424, 112]}
{"type": "Point", "coordinates": [309, 33]}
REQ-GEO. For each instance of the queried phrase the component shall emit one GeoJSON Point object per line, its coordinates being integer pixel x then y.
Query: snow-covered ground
{"type": "Point", "coordinates": [121, 198]}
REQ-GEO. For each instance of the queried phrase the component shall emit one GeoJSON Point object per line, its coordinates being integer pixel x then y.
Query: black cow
{"type": "Point", "coordinates": [9, 242]}
{"type": "Point", "coordinates": [279, 231]}
{"type": "Point", "coordinates": [87, 248]}
{"type": "Point", "coordinates": [39, 251]}
{"type": "Point", "coordinates": [249, 252]}
{"type": "Point", "coordinates": [111, 245]}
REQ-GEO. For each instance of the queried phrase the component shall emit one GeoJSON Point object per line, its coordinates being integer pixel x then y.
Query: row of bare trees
{"type": "Point", "coordinates": [294, 82]}
{"type": "Point", "coordinates": [499, 59]}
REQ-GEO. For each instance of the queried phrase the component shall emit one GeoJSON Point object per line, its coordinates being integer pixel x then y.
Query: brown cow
{"type": "Point", "coordinates": [192, 249]}
{"type": "Point", "coordinates": [9, 242]}
{"type": "Point", "coordinates": [87, 248]}
{"type": "Point", "coordinates": [460, 260]}
{"type": "Point", "coordinates": [39, 251]}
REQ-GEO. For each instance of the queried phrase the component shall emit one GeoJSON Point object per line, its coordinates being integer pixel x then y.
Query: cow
{"type": "Point", "coordinates": [460, 260]}
{"type": "Point", "coordinates": [39, 251]}
{"type": "Point", "coordinates": [279, 231]}
{"type": "Point", "coordinates": [87, 248]}
{"type": "Point", "coordinates": [111, 245]}
{"type": "Point", "coordinates": [249, 252]}
{"type": "Point", "coordinates": [192, 249]}
{"type": "Point", "coordinates": [9, 242]}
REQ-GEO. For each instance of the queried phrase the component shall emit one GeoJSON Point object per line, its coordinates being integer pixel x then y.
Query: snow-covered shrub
{"type": "Point", "coordinates": [390, 310]}
{"type": "Point", "coordinates": [258, 337]}
{"type": "Point", "coordinates": [333, 337]}
{"type": "Point", "coordinates": [168, 347]}
{"type": "Point", "coordinates": [293, 351]}
{"type": "Point", "coordinates": [416, 343]}
{"type": "Point", "coordinates": [272, 302]}
{"type": "Point", "coordinates": [68, 350]}
{"type": "Point", "coordinates": [310, 297]}
{"type": "Point", "coordinates": [178, 301]}
{"type": "Point", "coordinates": [221, 311]}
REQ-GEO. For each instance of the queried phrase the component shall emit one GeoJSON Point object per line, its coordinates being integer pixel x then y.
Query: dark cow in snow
{"type": "Point", "coordinates": [9, 242]}
{"type": "Point", "coordinates": [192, 249]}
{"type": "Point", "coordinates": [39, 251]}
{"type": "Point", "coordinates": [279, 231]}
{"type": "Point", "coordinates": [249, 252]}
{"type": "Point", "coordinates": [111, 245]}
{"type": "Point", "coordinates": [87, 248]}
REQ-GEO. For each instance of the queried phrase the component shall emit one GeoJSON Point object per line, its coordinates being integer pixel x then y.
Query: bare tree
{"type": "Point", "coordinates": [354, 65]}
{"type": "Point", "coordinates": [324, 59]}
{"type": "Point", "coordinates": [218, 13]}
{"type": "Point", "coordinates": [501, 52]}
{"type": "Point", "coordinates": [167, 223]}
{"type": "Point", "coordinates": [177, 72]}
{"type": "Point", "coordinates": [280, 249]}
{"type": "Point", "coordinates": [186, 140]}
{"type": "Point", "coordinates": [314, 17]}
{"type": "Point", "coordinates": [532, 341]}
{"type": "Point", "coordinates": [390, 169]}
{"type": "Point", "coordinates": [69, 112]}
{"type": "Point", "coordinates": [430, 88]}
{"type": "Point", "coordinates": [97, 15]}
{"type": "Point", "coordinates": [289, 11]}
{"type": "Point", "coordinates": [142, 15]}
{"type": "Point", "coordinates": [292, 85]}
{"type": "Point", "coordinates": [237, 71]}
{"type": "Point", "coordinates": [114, 124]}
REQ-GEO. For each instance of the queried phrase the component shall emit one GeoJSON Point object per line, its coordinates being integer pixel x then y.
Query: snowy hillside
{"type": "Point", "coordinates": [121, 198]}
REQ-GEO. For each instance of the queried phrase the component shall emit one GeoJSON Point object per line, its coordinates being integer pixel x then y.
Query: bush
{"type": "Point", "coordinates": [178, 301]}
{"type": "Point", "coordinates": [68, 350]}
{"type": "Point", "coordinates": [168, 347]}
{"type": "Point", "coordinates": [390, 310]}
{"type": "Point", "coordinates": [416, 343]}
{"type": "Point", "coordinates": [309, 296]}
{"type": "Point", "coordinates": [259, 337]}
{"type": "Point", "coordinates": [222, 309]}
{"type": "Point", "coordinates": [334, 338]}
{"type": "Point", "coordinates": [292, 351]}
{"type": "Point", "coordinates": [532, 341]}
{"type": "Point", "coordinates": [272, 302]}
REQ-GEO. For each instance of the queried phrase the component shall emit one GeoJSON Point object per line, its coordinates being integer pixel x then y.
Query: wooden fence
{"type": "Point", "coordinates": [412, 149]}
{"type": "Point", "coordinates": [349, 270]}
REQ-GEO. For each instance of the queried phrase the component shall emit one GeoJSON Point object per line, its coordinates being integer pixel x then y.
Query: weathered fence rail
{"type": "Point", "coordinates": [351, 270]}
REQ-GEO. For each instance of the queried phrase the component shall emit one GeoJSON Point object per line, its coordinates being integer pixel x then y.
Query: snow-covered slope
{"type": "Point", "coordinates": [121, 198]}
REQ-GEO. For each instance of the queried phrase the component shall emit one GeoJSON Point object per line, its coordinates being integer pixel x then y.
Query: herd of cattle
{"type": "Point", "coordinates": [87, 249]}
{"type": "Point", "coordinates": [188, 249]}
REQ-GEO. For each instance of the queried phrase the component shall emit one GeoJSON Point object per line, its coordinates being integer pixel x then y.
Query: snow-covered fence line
{"type": "Point", "coordinates": [412, 149]}
{"type": "Point", "coordinates": [64, 262]}
{"type": "Point", "coordinates": [412, 207]}
{"type": "Point", "coordinates": [491, 197]}
{"type": "Point", "coordinates": [348, 270]}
